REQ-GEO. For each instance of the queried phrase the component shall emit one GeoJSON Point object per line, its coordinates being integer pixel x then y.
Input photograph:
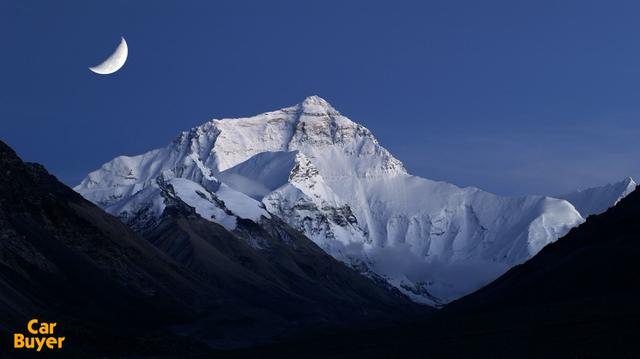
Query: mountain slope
{"type": "Point", "coordinates": [329, 177]}
{"type": "Point", "coordinates": [65, 260]}
{"type": "Point", "coordinates": [283, 283]}
{"type": "Point", "coordinates": [577, 298]}
{"type": "Point", "coordinates": [117, 292]}
{"type": "Point", "coordinates": [598, 199]}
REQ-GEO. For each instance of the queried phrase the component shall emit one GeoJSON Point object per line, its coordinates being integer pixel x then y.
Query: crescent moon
{"type": "Point", "coordinates": [114, 62]}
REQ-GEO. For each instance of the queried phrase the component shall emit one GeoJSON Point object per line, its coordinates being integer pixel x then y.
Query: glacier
{"type": "Point", "coordinates": [330, 178]}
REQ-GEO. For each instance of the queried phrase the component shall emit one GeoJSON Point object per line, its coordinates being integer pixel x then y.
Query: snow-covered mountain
{"type": "Point", "coordinates": [330, 178]}
{"type": "Point", "coordinates": [598, 199]}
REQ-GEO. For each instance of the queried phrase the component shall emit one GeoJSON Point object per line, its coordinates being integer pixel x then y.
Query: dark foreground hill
{"type": "Point", "coordinates": [578, 298]}
{"type": "Point", "coordinates": [64, 260]}
{"type": "Point", "coordinates": [187, 286]}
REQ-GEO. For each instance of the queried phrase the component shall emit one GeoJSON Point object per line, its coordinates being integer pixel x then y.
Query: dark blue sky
{"type": "Point", "coordinates": [512, 97]}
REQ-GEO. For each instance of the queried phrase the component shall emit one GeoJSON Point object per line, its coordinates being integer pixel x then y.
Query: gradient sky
{"type": "Point", "coordinates": [512, 97]}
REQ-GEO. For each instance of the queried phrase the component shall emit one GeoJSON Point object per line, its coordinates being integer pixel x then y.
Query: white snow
{"type": "Point", "coordinates": [260, 174]}
{"type": "Point", "coordinates": [203, 202]}
{"type": "Point", "coordinates": [241, 205]}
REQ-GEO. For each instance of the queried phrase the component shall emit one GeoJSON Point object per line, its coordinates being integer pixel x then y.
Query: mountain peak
{"type": "Point", "coordinates": [316, 105]}
{"type": "Point", "coordinates": [627, 185]}
{"type": "Point", "coordinates": [598, 199]}
{"type": "Point", "coordinates": [315, 100]}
